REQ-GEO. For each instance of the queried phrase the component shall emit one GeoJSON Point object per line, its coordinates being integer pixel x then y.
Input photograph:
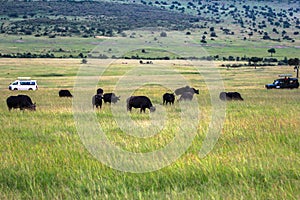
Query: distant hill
{"type": "Point", "coordinates": [86, 18]}
{"type": "Point", "coordinates": [274, 20]}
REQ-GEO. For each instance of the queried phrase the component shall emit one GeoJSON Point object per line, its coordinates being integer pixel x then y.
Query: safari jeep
{"type": "Point", "coordinates": [282, 83]}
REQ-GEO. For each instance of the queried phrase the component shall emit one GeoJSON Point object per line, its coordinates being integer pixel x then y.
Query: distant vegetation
{"type": "Point", "coordinates": [269, 20]}
{"type": "Point", "coordinates": [85, 18]}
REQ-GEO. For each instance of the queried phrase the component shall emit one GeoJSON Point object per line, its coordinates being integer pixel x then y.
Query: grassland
{"type": "Point", "coordinates": [256, 156]}
{"type": "Point", "coordinates": [60, 47]}
{"type": "Point", "coordinates": [222, 46]}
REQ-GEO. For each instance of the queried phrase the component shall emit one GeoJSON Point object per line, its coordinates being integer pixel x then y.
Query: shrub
{"type": "Point", "coordinates": [163, 34]}
{"type": "Point", "coordinates": [213, 34]}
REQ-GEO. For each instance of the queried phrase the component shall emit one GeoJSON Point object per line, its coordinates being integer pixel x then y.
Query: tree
{"type": "Point", "coordinates": [255, 60]}
{"type": "Point", "coordinates": [295, 62]}
{"type": "Point", "coordinates": [250, 34]}
{"type": "Point", "coordinates": [213, 34]}
{"type": "Point", "coordinates": [271, 51]}
{"type": "Point", "coordinates": [266, 36]}
{"type": "Point", "coordinates": [80, 55]}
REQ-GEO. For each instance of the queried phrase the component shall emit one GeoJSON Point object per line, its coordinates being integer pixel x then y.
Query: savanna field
{"type": "Point", "coordinates": [203, 149]}
{"type": "Point", "coordinates": [255, 157]}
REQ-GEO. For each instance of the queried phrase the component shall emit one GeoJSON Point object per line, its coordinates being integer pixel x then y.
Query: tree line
{"type": "Point", "coordinates": [240, 61]}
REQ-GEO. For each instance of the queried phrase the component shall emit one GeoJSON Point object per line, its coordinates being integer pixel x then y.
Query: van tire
{"type": "Point", "coordinates": [30, 89]}
{"type": "Point", "coordinates": [15, 88]}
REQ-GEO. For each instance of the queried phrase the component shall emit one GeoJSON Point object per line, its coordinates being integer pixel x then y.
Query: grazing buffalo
{"type": "Point", "coordinates": [100, 91]}
{"type": "Point", "coordinates": [141, 102]}
{"type": "Point", "coordinates": [97, 101]}
{"type": "Point", "coordinates": [182, 90]}
{"type": "Point", "coordinates": [186, 96]}
{"type": "Point", "coordinates": [20, 101]}
{"type": "Point", "coordinates": [110, 98]}
{"type": "Point", "coordinates": [65, 93]}
{"type": "Point", "coordinates": [228, 96]}
{"type": "Point", "coordinates": [168, 98]}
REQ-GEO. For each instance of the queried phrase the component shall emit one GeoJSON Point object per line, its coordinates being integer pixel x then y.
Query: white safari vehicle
{"type": "Point", "coordinates": [23, 83]}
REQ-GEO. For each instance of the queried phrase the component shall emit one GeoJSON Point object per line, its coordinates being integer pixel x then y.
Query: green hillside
{"type": "Point", "coordinates": [84, 18]}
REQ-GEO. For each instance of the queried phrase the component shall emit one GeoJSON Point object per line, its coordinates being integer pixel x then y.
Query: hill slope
{"type": "Point", "coordinates": [88, 18]}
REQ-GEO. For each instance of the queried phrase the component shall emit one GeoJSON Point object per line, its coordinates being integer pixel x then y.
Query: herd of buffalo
{"type": "Point", "coordinates": [143, 102]}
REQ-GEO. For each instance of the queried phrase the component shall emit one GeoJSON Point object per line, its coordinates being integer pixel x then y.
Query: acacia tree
{"type": "Point", "coordinates": [255, 60]}
{"type": "Point", "coordinates": [271, 51]}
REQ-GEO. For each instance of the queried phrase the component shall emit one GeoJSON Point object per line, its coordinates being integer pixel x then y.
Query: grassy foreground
{"type": "Point", "coordinates": [256, 156]}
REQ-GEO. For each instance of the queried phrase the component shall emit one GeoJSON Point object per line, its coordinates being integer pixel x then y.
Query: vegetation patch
{"type": "Point", "coordinates": [51, 75]}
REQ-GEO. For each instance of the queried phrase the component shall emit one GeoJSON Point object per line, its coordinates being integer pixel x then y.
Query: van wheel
{"type": "Point", "coordinates": [16, 89]}
{"type": "Point", "coordinates": [30, 89]}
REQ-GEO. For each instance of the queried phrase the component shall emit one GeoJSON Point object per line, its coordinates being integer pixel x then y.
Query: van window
{"type": "Point", "coordinates": [15, 83]}
{"type": "Point", "coordinates": [27, 83]}
{"type": "Point", "coordinates": [23, 83]}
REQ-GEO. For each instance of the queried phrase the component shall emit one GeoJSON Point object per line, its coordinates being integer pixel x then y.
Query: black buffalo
{"type": "Point", "coordinates": [100, 91]}
{"type": "Point", "coordinates": [228, 96]}
{"type": "Point", "coordinates": [65, 93]}
{"type": "Point", "coordinates": [168, 98]}
{"type": "Point", "coordinates": [182, 90]}
{"type": "Point", "coordinates": [141, 102]}
{"type": "Point", "coordinates": [97, 101]}
{"type": "Point", "coordinates": [20, 101]}
{"type": "Point", "coordinates": [186, 96]}
{"type": "Point", "coordinates": [110, 98]}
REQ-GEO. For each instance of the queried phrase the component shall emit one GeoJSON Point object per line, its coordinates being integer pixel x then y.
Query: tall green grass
{"type": "Point", "coordinates": [256, 156]}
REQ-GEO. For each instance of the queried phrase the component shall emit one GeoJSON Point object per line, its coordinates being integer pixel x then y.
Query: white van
{"type": "Point", "coordinates": [23, 83]}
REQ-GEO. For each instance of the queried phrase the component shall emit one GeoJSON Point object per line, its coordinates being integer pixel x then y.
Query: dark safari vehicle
{"type": "Point", "coordinates": [282, 83]}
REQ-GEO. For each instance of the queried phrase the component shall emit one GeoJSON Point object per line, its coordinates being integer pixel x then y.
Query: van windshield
{"type": "Point", "coordinates": [15, 83]}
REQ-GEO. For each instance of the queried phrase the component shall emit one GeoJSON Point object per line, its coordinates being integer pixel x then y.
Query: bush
{"type": "Point", "coordinates": [84, 61]}
{"type": "Point", "coordinates": [213, 34]}
{"type": "Point", "coordinates": [163, 34]}
{"type": "Point", "coordinates": [13, 15]}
